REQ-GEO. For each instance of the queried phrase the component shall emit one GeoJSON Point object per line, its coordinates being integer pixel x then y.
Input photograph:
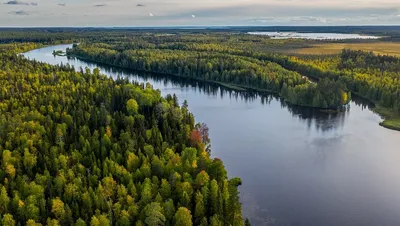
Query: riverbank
{"type": "Point", "coordinates": [235, 87]}
{"type": "Point", "coordinates": [226, 85]}
{"type": "Point", "coordinates": [391, 120]}
{"type": "Point", "coordinates": [323, 147]}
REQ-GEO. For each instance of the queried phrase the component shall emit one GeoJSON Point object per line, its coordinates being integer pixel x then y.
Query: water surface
{"type": "Point", "coordinates": [314, 36]}
{"type": "Point", "coordinates": [298, 166]}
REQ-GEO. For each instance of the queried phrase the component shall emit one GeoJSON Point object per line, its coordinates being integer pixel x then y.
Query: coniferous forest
{"type": "Point", "coordinates": [260, 64]}
{"type": "Point", "coordinates": [208, 59]}
{"type": "Point", "coordinates": [78, 148]}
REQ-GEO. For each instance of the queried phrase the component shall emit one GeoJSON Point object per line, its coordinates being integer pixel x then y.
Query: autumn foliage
{"type": "Point", "coordinates": [195, 138]}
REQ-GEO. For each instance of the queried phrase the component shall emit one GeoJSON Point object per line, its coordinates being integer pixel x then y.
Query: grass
{"type": "Point", "coordinates": [391, 121]}
{"type": "Point", "coordinates": [383, 48]}
{"type": "Point", "coordinates": [393, 124]}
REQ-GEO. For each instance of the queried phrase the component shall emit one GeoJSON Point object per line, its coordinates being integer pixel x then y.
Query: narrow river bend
{"type": "Point", "coordinates": [299, 167]}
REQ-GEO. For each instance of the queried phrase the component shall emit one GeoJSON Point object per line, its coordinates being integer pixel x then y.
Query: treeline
{"type": "Point", "coordinates": [242, 71]}
{"type": "Point", "coordinates": [207, 59]}
{"type": "Point", "coordinates": [78, 148]}
{"type": "Point", "coordinates": [18, 48]}
{"type": "Point", "coordinates": [368, 62]}
{"type": "Point", "coordinates": [251, 61]}
{"type": "Point", "coordinates": [320, 94]}
{"type": "Point", "coordinates": [366, 74]}
{"type": "Point", "coordinates": [373, 76]}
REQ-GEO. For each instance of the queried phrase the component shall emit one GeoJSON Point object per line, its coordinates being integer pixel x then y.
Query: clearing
{"type": "Point", "coordinates": [383, 48]}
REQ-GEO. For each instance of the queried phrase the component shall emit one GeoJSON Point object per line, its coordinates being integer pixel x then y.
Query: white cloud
{"type": "Point", "coordinates": [221, 12]}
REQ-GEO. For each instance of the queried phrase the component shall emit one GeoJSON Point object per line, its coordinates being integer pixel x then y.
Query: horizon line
{"type": "Point", "coordinates": [200, 26]}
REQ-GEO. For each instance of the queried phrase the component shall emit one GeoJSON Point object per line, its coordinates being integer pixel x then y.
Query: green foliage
{"type": "Point", "coordinates": [153, 214]}
{"type": "Point", "coordinates": [372, 76]}
{"type": "Point", "coordinates": [4, 200]}
{"type": "Point", "coordinates": [78, 148]}
{"type": "Point", "coordinates": [57, 208]}
{"type": "Point", "coordinates": [216, 59]}
{"type": "Point", "coordinates": [325, 94]}
{"type": "Point", "coordinates": [132, 106]}
{"type": "Point", "coordinates": [8, 220]}
{"type": "Point", "coordinates": [183, 217]}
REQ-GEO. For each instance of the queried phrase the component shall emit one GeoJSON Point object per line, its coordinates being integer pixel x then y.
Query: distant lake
{"type": "Point", "coordinates": [315, 36]}
{"type": "Point", "coordinates": [299, 166]}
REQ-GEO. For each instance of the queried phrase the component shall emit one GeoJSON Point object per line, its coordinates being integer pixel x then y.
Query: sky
{"type": "Point", "coordinates": [198, 12]}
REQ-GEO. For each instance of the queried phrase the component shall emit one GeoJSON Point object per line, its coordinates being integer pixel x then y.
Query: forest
{"type": "Point", "coordinates": [261, 64]}
{"type": "Point", "coordinates": [207, 58]}
{"type": "Point", "coordinates": [231, 58]}
{"type": "Point", "coordinates": [371, 76]}
{"type": "Point", "coordinates": [79, 148]}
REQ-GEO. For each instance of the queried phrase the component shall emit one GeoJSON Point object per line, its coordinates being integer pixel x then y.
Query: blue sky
{"type": "Point", "coordinates": [204, 12]}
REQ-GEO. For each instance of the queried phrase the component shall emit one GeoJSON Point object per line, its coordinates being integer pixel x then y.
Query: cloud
{"type": "Point", "coordinates": [309, 19]}
{"type": "Point", "coordinates": [19, 13]}
{"type": "Point", "coordinates": [211, 12]}
{"type": "Point", "coordinates": [304, 20]}
{"type": "Point", "coordinates": [16, 2]}
{"type": "Point", "coordinates": [390, 19]}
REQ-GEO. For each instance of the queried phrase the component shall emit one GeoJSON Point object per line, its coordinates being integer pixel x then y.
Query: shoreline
{"type": "Point", "coordinates": [234, 87]}
{"type": "Point", "coordinates": [390, 120]}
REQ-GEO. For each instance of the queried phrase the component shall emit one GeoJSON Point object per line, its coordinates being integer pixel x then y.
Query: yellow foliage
{"type": "Point", "coordinates": [21, 203]}
{"type": "Point", "coordinates": [194, 164]}
{"type": "Point", "coordinates": [108, 131]}
{"type": "Point", "coordinates": [31, 222]}
{"type": "Point", "coordinates": [345, 97]}
{"type": "Point", "coordinates": [10, 170]}
{"type": "Point", "coordinates": [57, 207]}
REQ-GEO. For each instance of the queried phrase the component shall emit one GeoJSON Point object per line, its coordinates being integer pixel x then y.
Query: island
{"type": "Point", "coordinates": [58, 53]}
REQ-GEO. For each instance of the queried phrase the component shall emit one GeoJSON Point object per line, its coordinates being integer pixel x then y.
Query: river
{"type": "Point", "coordinates": [298, 166]}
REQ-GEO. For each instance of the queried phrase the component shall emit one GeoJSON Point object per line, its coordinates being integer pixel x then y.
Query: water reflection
{"type": "Point", "coordinates": [299, 166]}
{"type": "Point", "coordinates": [314, 118]}
{"type": "Point", "coordinates": [322, 121]}
{"type": "Point", "coordinates": [362, 102]}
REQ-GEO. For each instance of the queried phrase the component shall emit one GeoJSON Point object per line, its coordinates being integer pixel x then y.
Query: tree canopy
{"type": "Point", "coordinates": [79, 148]}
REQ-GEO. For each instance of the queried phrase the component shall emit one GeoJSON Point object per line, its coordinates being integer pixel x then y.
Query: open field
{"type": "Point", "coordinates": [383, 48]}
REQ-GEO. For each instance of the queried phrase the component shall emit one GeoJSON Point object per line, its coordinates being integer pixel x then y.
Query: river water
{"type": "Point", "coordinates": [298, 166]}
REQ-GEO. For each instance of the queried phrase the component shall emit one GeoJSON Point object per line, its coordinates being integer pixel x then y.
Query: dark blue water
{"type": "Point", "coordinates": [298, 166]}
